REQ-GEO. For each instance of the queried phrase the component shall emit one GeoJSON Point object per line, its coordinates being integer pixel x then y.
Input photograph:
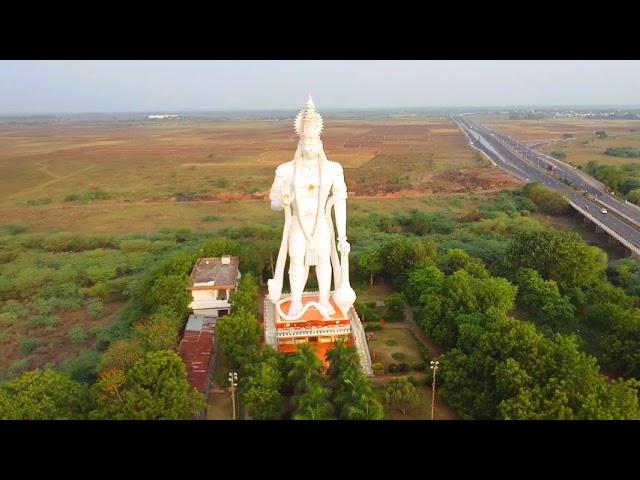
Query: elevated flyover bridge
{"type": "Point", "coordinates": [621, 221]}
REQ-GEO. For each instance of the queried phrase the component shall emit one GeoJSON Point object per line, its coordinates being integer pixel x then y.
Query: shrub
{"type": "Point", "coordinates": [86, 197]}
{"type": "Point", "coordinates": [401, 394]}
{"type": "Point", "coordinates": [28, 345]}
{"type": "Point", "coordinates": [39, 201]}
{"type": "Point", "coordinates": [625, 152]}
{"type": "Point", "coordinates": [111, 334]}
{"type": "Point", "coordinates": [83, 367]}
{"type": "Point", "coordinates": [221, 182]}
{"type": "Point", "coordinates": [403, 367]}
{"type": "Point", "coordinates": [559, 154]}
{"type": "Point", "coordinates": [96, 308]}
{"type": "Point", "coordinates": [8, 318]}
{"type": "Point", "coordinates": [393, 368]}
{"type": "Point", "coordinates": [399, 356]}
{"type": "Point", "coordinates": [77, 335]}
{"type": "Point", "coordinates": [372, 326]}
{"type": "Point", "coordinates": [19, 366]}
{"type": "Point", "coordinates": [135, 245]}
{"type": "Point", "coordinates": [418, 366]}
{"type": "Point", "coordinates": [44, 320]}
{"type": "Point", "coordinates": [391, 343]}
{"type": "Point", "coordinates": [16, 228]}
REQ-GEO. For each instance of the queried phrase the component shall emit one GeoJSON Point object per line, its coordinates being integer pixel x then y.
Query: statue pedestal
{"type": "Point", "coordinates": [285, 336]}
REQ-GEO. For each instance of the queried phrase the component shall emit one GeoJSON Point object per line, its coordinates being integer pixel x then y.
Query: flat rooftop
{"type": "Point", "coordinates": [219, 270]}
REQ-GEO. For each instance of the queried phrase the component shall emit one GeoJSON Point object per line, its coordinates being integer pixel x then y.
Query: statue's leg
{"type": "Point", "coordinates": [323, 269]}
{"type": "Point", "coordinates": [297, 270]}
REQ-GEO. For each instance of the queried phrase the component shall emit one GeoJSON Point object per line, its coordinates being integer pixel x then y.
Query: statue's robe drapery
{"type": "Point", "coordinates": [332, 182]}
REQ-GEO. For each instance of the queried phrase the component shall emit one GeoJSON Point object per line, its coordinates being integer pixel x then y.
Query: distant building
{"type": "Point", "coordinates": [162, 117]}
{"type": "Point", "coordinates": [213, 281]}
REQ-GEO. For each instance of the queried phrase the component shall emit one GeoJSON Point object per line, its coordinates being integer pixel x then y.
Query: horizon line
{"type": "Point", "coordinates": [326, 109]}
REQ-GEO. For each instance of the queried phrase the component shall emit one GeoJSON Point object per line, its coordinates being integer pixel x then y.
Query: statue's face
{"type": "Point", "coordinates": [310, 147]}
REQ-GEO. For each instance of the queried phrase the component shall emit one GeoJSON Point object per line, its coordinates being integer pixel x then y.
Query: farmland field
{"type": "Point", "coordinates": [115, 176]}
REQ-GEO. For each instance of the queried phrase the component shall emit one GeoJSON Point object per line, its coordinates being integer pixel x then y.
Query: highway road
{"type": "Point", "coordinates": [493, 145]}
{"type": "Point", "coordinates": [576, 177]}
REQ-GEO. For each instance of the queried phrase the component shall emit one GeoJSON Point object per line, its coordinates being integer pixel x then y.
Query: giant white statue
{"type": "Point", "coordinates": [307, 188]}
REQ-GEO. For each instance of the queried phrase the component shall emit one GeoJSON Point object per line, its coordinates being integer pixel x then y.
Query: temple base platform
{"type": "Point", "coordinates": [312, 329]}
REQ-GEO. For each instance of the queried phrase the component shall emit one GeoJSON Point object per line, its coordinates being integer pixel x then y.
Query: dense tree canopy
{"type": "Point", "coordinates": [559, 256]}
{"type": "Point", "coordinates": [508, 370]}
{"type": "Point", "coordinates": [42, 395]}
{"type": "Point", "coordinates": [154, 388]}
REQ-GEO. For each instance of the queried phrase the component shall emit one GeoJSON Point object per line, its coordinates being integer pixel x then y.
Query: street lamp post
{"type": "Point", "coordinates": [434, 367]}
{"type": "Point", "coordinates": [233, 381]}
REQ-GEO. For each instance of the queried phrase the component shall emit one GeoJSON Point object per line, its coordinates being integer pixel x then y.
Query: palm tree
{"type": "Point", "coordinates": [305, 367]}
{"type": "Point", "coordinates": [314, 404]}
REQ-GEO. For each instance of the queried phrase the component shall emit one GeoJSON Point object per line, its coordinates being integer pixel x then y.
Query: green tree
{"type": "Point", "coordinates": [547, 200]}
{"type": "Point", "coordinates": [154, 388]}
{"type": "Point", "coordinates": [395, 306]}
{"type": "Point", "coordinates": [236, 333]}
{"type": "Point", "coordinates": [401, 394]}
{"type": "Point", "coordinates": [160, 331]}
{"type": "Point", "coordinates": [311, 397]}
{"type": "Point", "coordinates": [43, 395]}
{"type": "Point", "coordinates": [353, 394]}
{"type": "Point", "coordinates": [559, 256]}
{"type": "Point", "coordinates": [457, 259]}
{"type": "Point", "coordinates": [421, 281]}
{"type": "Point", "coordinates": [400, 255]}
{"type": "Point", "coordinates": [218, 247]}
{"type": "Point", "coordinates": [261, 395]}
{"type": "Point", "coordinates": [122, 354]}
{"type": "Point", "coordinates": [314, 404]}
{"type": "Point", "coordinates": [370, 262]}
{"type": "Point", "coordinates": [171, 291]}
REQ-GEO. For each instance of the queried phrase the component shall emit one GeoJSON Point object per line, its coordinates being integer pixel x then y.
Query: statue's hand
{"type": "Point", "coordinates": [343, 246]}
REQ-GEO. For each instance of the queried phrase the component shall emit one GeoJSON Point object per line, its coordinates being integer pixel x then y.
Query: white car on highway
{"type": "Point", "coordinates": [604, 210]}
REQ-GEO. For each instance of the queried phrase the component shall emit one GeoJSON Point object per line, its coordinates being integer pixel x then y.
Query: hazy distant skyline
{"type": "Point", "coordinates": [32, 87]}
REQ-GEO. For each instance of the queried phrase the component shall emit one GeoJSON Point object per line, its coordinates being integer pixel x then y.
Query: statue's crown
{"type": "Point", "coordinates": [308, 122]}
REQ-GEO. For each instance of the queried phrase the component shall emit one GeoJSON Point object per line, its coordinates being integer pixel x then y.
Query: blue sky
{"type": "Point", "coordinates": [173, 85]}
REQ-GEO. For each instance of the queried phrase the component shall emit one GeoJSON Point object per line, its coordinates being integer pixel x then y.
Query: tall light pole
{"type": "Point", "coordinates": [233, 380]}
{"type": "Point", "coordinates": [434, 367]}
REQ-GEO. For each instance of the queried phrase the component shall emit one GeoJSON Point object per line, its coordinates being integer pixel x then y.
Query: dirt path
{"type": "Point", "coordinates": [45, 169]}
{"type": "Point", "coordinates": [56, 179]}
{"type": "Point", "coordinates": [435, 349]}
